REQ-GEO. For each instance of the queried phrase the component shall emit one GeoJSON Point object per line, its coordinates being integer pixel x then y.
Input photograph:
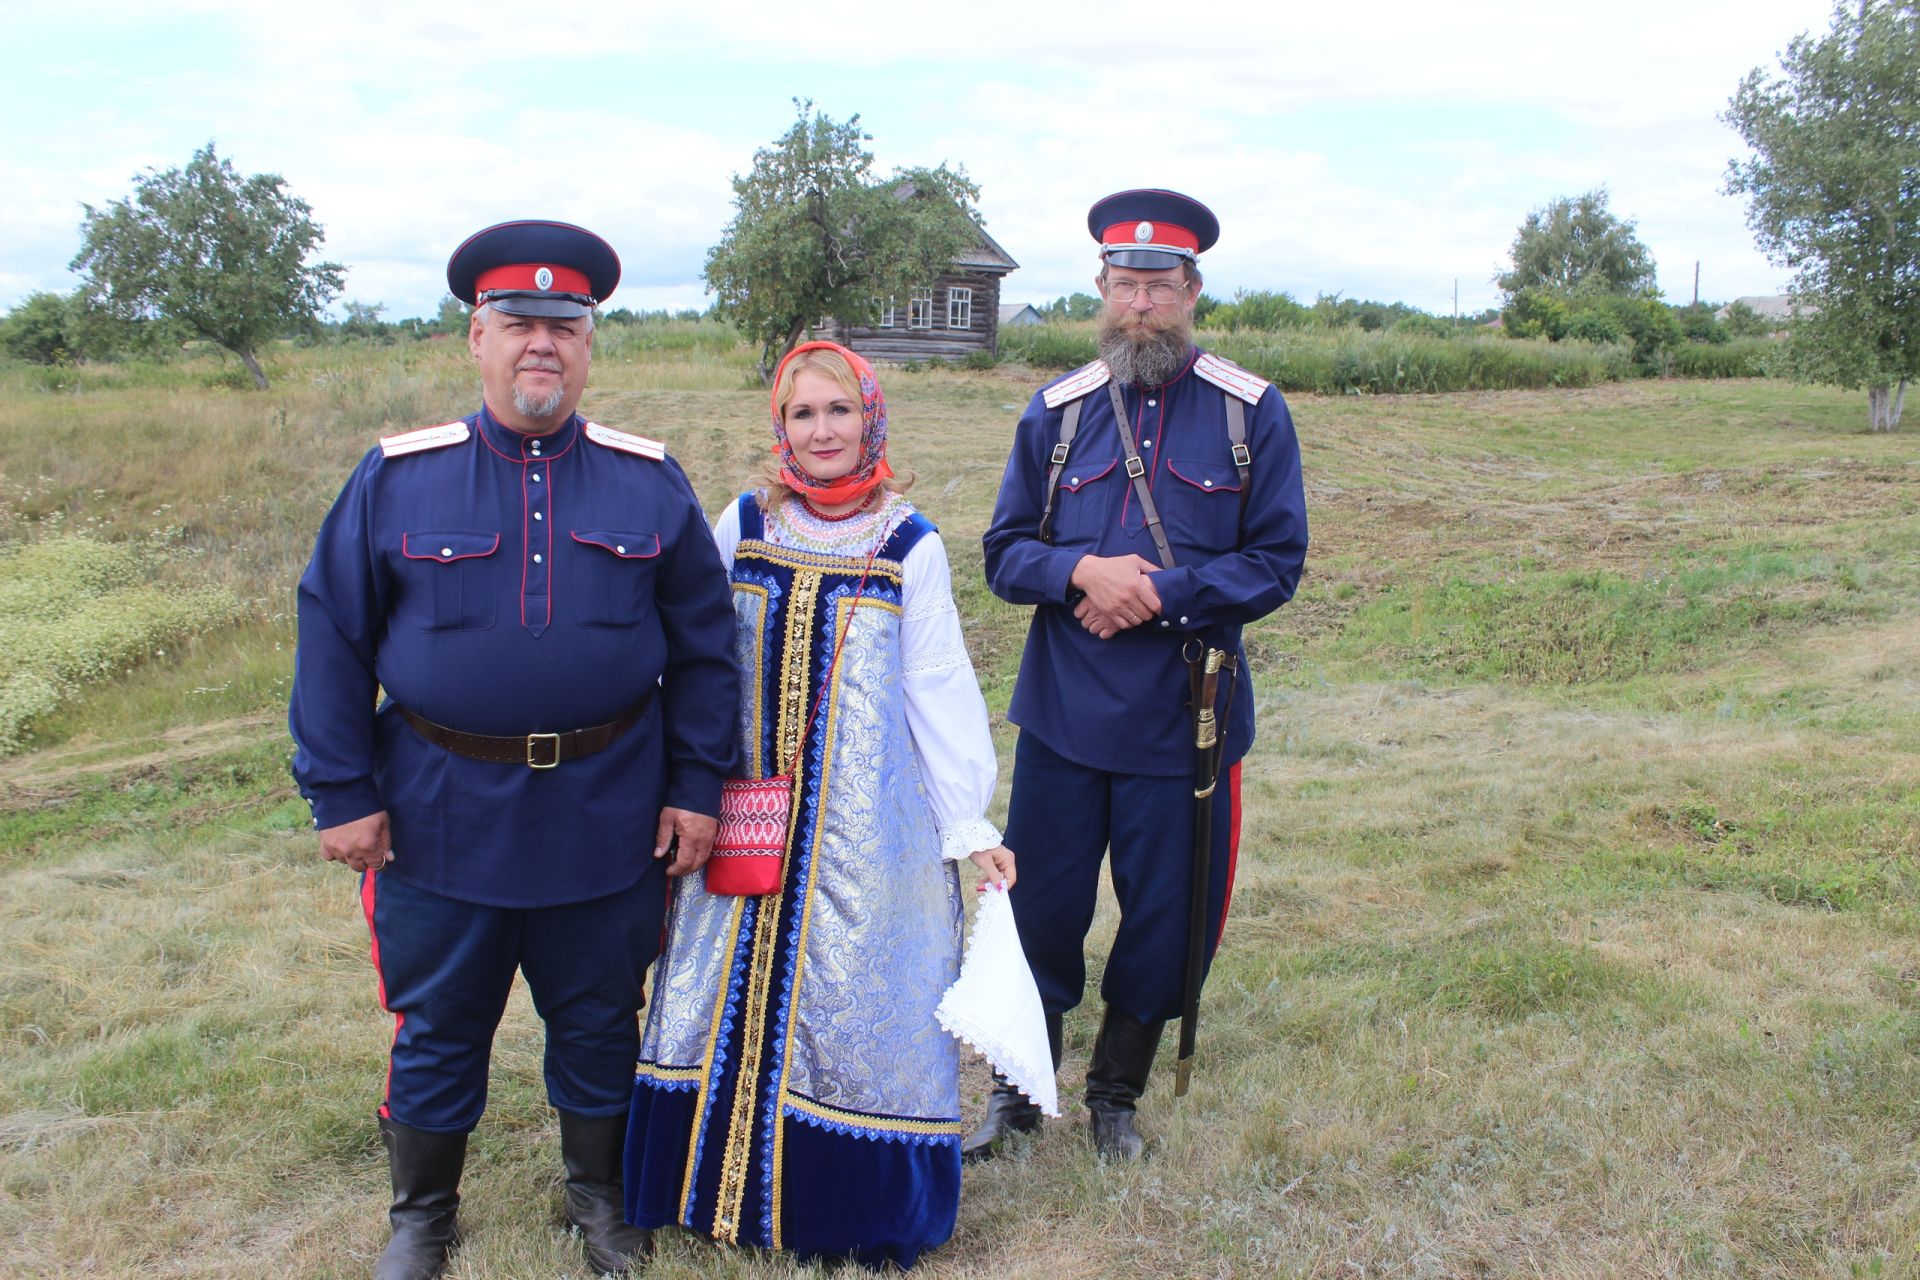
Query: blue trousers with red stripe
{"type": "Point", "coordinates": [1062, 819]}
{"type": "Point", "coordinates": [446, 968]}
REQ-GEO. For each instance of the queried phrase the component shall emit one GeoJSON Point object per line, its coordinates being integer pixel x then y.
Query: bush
{"type": "Point", "coordinates": [979, 360]}
{"type": "Point", "coordinates": [1261, 309]}
{"type": "Point", "coordinates": [41, 330]}
{"type": "Point", "coordinates": [1053, 345]}
{"type": "Point", "coordinates": [1744, 358]}
{"type": "Point", "coordinates": [1744, 322]}
{"type": "Point", "coordinates": [1595, 325]}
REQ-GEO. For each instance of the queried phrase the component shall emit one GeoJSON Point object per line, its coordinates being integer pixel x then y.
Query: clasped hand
{"type": "Point", "coordinates": [1118, 593]}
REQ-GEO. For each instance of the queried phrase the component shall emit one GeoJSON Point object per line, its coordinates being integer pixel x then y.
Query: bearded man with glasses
{"type": "Point", "coordinates": [1152, 507]}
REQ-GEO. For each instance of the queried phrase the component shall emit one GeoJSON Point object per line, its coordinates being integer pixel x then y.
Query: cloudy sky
{"type": "Point", "coordinates": [1376, 150]}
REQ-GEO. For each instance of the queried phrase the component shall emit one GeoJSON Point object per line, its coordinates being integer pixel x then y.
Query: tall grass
{"type": "Point", "coordinates": [76, 612]}
{"type": "Point", "coordinates": [1353, 361]}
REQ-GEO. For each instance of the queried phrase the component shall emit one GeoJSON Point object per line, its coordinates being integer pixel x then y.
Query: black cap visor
{"type": "Point", "coordinates": [1147, 259]}
{"type": "Point", "coordinates": [554, 306]}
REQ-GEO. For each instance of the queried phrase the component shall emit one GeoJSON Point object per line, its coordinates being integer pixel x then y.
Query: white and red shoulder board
{"type": "Point", "coordinates": [424, 438]}
{"type": "Point", "coordinates": [626, 443]}
{"type": "Point", "coordinates": [1085, 379]}
{"type": "Point", "coordinates": [1231, 378]}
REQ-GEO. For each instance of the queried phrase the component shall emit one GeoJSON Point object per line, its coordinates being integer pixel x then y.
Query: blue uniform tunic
{"type": "Point", "coordinates": [514, 584]}
{"type": "Point", "coordinates": [1106, 753]}
{"type": "Point", "coordinates": [1121, 704]}
{"type": "Point", "coordinates": [502, 583]}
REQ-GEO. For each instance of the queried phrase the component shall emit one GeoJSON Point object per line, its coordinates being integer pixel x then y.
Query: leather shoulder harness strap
{"type": "Point", "coordinates": [1137, 472]}
{"type": "Point", "coordinates": [1136, 469]}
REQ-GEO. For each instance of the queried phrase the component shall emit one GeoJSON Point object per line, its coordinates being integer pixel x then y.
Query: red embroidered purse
{"type": "Point", "coordinates": [756, 814]}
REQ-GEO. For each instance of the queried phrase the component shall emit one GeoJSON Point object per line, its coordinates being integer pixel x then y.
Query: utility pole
{"type": "Point", "coordinates": [1696, 282]}
{"type": "Point", "coordinates": [1456, 302]}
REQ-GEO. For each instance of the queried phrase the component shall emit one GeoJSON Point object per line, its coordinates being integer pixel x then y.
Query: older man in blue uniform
{"type": "Point", "coordinates": [540, 601]}
{"type": "Point", "coordinates": [1152, 507]}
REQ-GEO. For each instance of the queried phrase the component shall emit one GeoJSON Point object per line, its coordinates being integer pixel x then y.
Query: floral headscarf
{"type": "Point", "coordinates": [870, 469]}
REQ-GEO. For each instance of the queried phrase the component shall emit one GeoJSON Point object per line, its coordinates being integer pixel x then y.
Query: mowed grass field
{"type": "Point", "coordinates": [1576, 934]}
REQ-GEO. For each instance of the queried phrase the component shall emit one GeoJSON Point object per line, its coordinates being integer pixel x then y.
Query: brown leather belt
{"type": "Point", "coordinates": [534, 750]}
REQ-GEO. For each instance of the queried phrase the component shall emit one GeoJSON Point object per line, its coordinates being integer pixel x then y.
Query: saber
{"type": "Point", "coordinates": [1204, 676]}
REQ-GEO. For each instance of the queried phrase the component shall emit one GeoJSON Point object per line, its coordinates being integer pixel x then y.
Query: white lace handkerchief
{"type": "Point", "coordinates": [995, 1007]}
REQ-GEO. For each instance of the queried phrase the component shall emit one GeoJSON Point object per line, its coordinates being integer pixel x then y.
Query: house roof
{"type": "Point", "coordinates": [1773, 306]}
{"type": "Point", "coordinates": [985, 256]}
{"type": "Point", "coordinates": [988, 256]}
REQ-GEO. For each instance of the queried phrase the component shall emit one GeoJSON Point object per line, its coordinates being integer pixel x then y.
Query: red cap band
{"type": "Point", "coordinates": [1126, 235]}
{"type": "Point", "coordinates": [526, 276]}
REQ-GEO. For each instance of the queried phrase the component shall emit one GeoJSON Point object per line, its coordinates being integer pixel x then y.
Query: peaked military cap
{"type": "Point", "coordinates": [534, 268]}
{"type": "Point", "coordinates": [1152, 230]}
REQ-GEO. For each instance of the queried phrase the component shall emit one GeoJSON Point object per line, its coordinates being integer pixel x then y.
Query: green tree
{"type": "Point", "coordinates": [1833, 191]}
{"type": "Point", "coordinates": [1575, 245]}
{"type": "Point", "coordinates": [1073, 306]}
{"type": "Point", "coordinates": [223, 255]}
{"type": "Point", "coordinates": [815, 234]}
{"type": "Point", "coordinates": [43, 329]}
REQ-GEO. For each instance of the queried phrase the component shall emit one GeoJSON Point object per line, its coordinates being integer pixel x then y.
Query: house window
{"type": "Point", "coordinates": [920, 309]}
{"type": "Point", "coordinates": [886, 312]}
{"type": "Point", "coordinates": [959, 308]}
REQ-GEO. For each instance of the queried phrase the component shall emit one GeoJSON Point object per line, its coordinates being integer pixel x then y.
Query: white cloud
{"type": "Point", "coordinates": [1377, 151]}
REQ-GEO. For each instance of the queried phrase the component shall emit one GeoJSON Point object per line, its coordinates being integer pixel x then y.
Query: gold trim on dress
{"type": "Point", "coordinates": [707, 1065]}
{"type": "Point", "coordinates": [859, 1120]}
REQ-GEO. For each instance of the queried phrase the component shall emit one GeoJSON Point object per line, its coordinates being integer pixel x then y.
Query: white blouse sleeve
{"type": "Point", "coordinates": [945, 712]}
{"type": "Point", "coordinates": [726, 532]}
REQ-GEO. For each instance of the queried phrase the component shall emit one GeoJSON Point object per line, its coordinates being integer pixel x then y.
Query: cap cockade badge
{"type": "Point", "coordinates": [543, 279]}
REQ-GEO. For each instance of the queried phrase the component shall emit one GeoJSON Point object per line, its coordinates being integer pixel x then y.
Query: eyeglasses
{"type": "Point", "coordinates": [1160, 292]}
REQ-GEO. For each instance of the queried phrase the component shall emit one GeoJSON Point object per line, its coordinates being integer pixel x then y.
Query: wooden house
{"type": "Point", "coordinates": [945, 319]}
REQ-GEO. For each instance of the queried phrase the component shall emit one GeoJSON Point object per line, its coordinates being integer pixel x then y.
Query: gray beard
{"type": "Point", "coordinates": [545, 407]}
{"type": "Point", "coordinates": [1145, 358]}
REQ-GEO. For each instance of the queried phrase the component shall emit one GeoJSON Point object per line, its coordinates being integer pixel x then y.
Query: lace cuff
{"type": "Point", "coordinates": [967, 837]}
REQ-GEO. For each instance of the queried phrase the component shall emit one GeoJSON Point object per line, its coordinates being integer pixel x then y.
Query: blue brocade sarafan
{"type": "Point", "coordinates": [794, 1090]}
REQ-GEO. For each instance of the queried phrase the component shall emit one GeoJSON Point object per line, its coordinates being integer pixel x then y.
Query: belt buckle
{"type": "Point", "coordinates": [532, 761]}
{"type": "Point", "coordinates": [1135, 467]}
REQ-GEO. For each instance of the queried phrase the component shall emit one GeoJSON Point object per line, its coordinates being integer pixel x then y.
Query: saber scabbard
{"type": "Point", "coordinates": [1204, 678]}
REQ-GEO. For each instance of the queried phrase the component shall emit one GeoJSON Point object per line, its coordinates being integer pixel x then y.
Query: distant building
{"type": "Point", "coordinates": [1012, 313]}
{"type": "Point", "coordinates": [1771, 306]}
{"type": "Point", "coordinates": [945, 319]}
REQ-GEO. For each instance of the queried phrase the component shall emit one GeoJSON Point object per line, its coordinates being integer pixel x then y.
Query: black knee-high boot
{"type": "Point", "coordinates": [593, 1148]}
{"type": "Point", "coordinates": [426, 1197]}
{"type": "Point", "coordinates": [1008, 1110]}
{"type": "Point", "coordinates": [1116, 1077]}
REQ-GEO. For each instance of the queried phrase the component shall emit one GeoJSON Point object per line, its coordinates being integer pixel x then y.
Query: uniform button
{"type": "Point", "coordinates": [1073, 479]}
{"type": "Point", "coordinates": [1152, 403]}
{"type": "Point", "coordinates": [1146, 444]}
{"type": "Point", "coordinates": [446, 551]}
{"type": "Point", "coordinates": [536, 560]}
{"type": "Point", "coordinates": [536, 477]}
{"type": "Point", "coordinates": [1183, 620]}
{"type": "Point", "coordinates": [621, 550]}
{"type": "Point", "coordinates": [538, 516]}
{"type": "Point", "coordinates": [1165, 623]}
{"type": "Point", "coordinates": [1206, 484]}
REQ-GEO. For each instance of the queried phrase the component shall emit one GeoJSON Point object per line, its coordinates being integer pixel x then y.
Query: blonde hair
{"type": "Point", "coordinates": [833, 365]}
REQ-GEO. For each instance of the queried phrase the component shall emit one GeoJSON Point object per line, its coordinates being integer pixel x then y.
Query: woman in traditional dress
{"type": "Point", "coordinates": [794, 1089]}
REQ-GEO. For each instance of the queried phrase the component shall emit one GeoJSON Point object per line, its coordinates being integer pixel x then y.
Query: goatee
{"type": "Point", "coordinates": [538, 407]}
{"type": "Point", "coordinates": [1145, 350]}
